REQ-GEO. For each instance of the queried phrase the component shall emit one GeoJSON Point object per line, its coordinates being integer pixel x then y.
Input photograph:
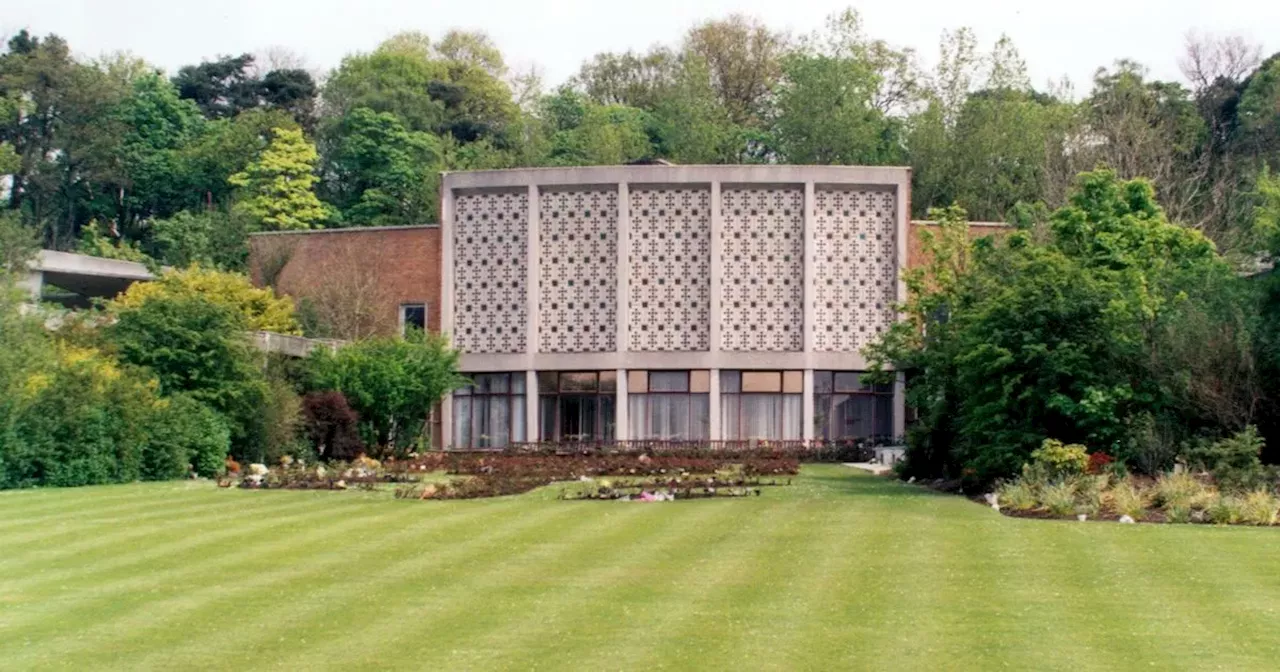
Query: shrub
{"type": "Point", "coordinates": [185, 434]}
{"type": "Point", "coordinates": [1060, 459]}
{"type": "Point", "coordinates": [1259, 508]}
{"type": "Point", "coordinates": [1017, 495]}
{"type": "Point", "coordinates": [260, 308]}
{"type": "Point", "coordinates": [1225, 510]}
{"type": "Point", "coordinates": [1059, 498]}
{"type": "Point", "coordinates": [331, 425]}
{"type": "Point", "coordinates": [281, 422]}
{"type": "Point", "coordinates": [1098, 463]}
{"type": "Point", "coordinates": [1089, 493]}
{"type": "Point", "coordinates": [392, 383]}
{"type": "Point", "coordinates": [80, 421]}
{"type": "Point", "coordinates": [1181, 491]}
{"type": "Point", "coordinates": [1234, 461]}
{"type": "Point", "coordinates": [197, 346]}
{"type": "Point", "coordinates": [1127, 499]}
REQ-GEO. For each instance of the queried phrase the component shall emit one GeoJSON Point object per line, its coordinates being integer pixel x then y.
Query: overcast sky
{"type": "Point", "coordinates": [1055, 38]}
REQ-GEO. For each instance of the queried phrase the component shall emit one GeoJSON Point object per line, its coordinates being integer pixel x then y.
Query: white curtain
{"type": "Point", "coordinates": [792, 416]}
{"type": "Point", "coordinates": [462, 421]}
{"type": "Point", "coordinates": [517, 418]}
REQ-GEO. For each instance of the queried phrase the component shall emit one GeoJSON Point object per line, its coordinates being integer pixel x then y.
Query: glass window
{"type": "Point", "coordinates": [668, 411]}
{"type": "Point", "coordinates": [489, 413]}
{"type": "Point", "coordinates": [413, 315]}
{"type": "Point", "coordinates": [757, 409]}
{"type": "Point", "coordinates": [851, 409]}
{"type": "Point", "coordinates": [576, 405]}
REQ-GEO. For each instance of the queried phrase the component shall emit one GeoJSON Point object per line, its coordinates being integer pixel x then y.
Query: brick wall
{"type": "Point", "coordinates": [364, 272]}
{"type": "Point", "coordinates": [916, 256]}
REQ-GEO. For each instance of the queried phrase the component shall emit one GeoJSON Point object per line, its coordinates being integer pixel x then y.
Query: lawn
{"type": "Point", "coordinates": [840, 571]}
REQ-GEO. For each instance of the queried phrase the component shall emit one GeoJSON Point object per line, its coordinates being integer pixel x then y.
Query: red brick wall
{"type": "Point", "coordinates": [393, 265]}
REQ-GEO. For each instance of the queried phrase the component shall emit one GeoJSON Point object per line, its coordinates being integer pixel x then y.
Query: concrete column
{"type": "Point", "coordinates": [531, 405]}
{"type": "Point", "coordinates": [446, 302]}
{"type": "Point", "coordinates": [810, 262]}
{"type": "Point", "coordinates": [807, 409]}
{"type": "Point", "coordinates": [622, 289]}
{"type": "Point", "coordinates": [32, 285]}
{"type": "Point", "coordinates": [715, 402]}
{"type": "Point", "coordinates": [715, 310]}
{"type": "Point", "coordinates": [621, 417]}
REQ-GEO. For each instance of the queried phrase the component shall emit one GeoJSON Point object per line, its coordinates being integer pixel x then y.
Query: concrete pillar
{"type": "Point", "coordinates": [446, 302]}
{"type": "Point", "coordinates": [621, 417]}
{"type": "Point", "coordinates": [531, 416]}
{"type": "Point", "coordinates": [807, 409]}
{"type": "Point", "coordinates": [622, 289]}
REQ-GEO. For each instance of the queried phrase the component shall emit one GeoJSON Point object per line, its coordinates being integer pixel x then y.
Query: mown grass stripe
{"type": "Point", "coordinates": [329, 571]}
{"type": "Point", "coordinates": [582, 587]}
{"type": "Point", "coordinates": [462, 581]}
{"type": "Point", "coordinates": [134, 615]}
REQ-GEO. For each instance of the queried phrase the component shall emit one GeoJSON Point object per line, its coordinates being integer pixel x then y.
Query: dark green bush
{"type": "Point", "coordinates": [184, 434]}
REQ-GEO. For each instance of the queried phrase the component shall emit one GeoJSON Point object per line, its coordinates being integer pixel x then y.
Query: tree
{"type": "Point", "coordinates": [277, 190]}
{"type": "Point", "coordinates": [584, 133]}
{"type": "Point", "coordinates": [1058, 333]}
{"type": "Point", "coordinates": [636, 80]}
{"type": "Point", "coordinates": [258, 308]}
{"type": "Point", "coordinates": [211, 238]}
{"type": "Point", "coordinates": [222, 88]}
{"type": "Point", "coordinates": [743, 58]}
{"type": "Point", "coordinates": [195, 345]}
{"type": "Point", "coordinates": [392, 383]}
{"type": "Point", "coordinates": [380, 173]}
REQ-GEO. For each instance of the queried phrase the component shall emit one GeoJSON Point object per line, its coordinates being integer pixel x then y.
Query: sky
{"type": "Point", "coordinates": [1056, 39]}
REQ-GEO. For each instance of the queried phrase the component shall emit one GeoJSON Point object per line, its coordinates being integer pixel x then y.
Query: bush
{"type": "Point", "coordinates": [281, 422]}
{"type": "Point", "coordinates": [81, 421]}
{"type": "Point", "coordinates": [185, 434]}
{"type": "Point", "coordinates": [197, 346]}
{"type": "Point", "coordinates": [1127, 499]}
{"type": "Point", "coordinates": [1235, 461]}
{"type": "Point", "coordinates": [1059, 498]}
{"type": "Point", "coordinates": [1226, 510]}
{"type": "Point", "coordinates": [331, 425]}
{"type": "Point", "coordinates": [1259, 508]}
{"type": "Point", "coordinates": [1182, 492]}
{"type": "Point", "coordinates": [392, 383]}
{"type": "Point", "coordinates": [1017, 495]}
{"type": "Point", "coordinates": [260, 309]}
{"type": "Point", "coordinates": [1059, 459]}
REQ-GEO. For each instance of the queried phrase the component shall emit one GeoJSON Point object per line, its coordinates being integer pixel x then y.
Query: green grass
{"type": "Point", "coordinates": [840, 571]}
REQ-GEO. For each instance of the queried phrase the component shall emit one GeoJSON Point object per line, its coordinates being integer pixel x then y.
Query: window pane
{"type": "Point", "coordinates": [413, 315]}
{"type": "Point", "coordinates": [479, 415]}
{"type": "Point", "coordinates": [547, 418]}
{"type": "Point", "coordinates": [822, 420]}
{"type": "Point", "coordinates": [791, 416]}
{"type": "Point", "coordinates": [578, 382]}
{"type": "Point", "coordinates": [822, 382]}
{"type": "Point", "coordinates": [499, 422]}
{"type": "Point", "coordinates": [669, 416]}
{"type": "Point", "coordinates": [700, 417]}
{"type": "Point", "coordinates": [730, 381]}
{"type": "Point", "coordinates": [848, 381]}
{"type": "Point", "coordinates": [608, 416]}
{"type": "Point", "coordinates": [884, 416]}
{"type": "Point", "coordinates": [517, 382]}
{"type": "Point", "coordinates": [608, 382]}
{"type": "Point", "coordinates": [854, 416]}
{"type": "Point", "coordinates": [462, 422]}
{"type": "Point", "coordinates": [493, 383]}
{"type": "Point", "coordinates": [547, 381]}
{"type": "Point", "coordinates": [518, 425]}
{"type": "Point", "coordinates": [761, 416]}
{"type": "Point", "coordinates": [637, 416]}
{"type": "Point", "coordinates": [668, 381]}
{"type": "Point", "coordinates": [464, 390]}
{"type": "Point", "coordinates": [729, 405]}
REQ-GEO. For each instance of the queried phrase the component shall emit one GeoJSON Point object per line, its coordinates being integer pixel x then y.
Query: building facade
{"type": "Point", "coordinates": [671, 302]}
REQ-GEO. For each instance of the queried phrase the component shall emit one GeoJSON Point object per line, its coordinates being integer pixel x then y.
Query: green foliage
{"type": "Point", "coordinates": [184, 435]}
{"type": "Point", "coordinates": [259, 308]}
{"type": "Point", "coordinates": [1259, 508]}
{"type": "Point", "coordinates": [18, 245]}
{"type": "Point", "coordinates": [383, 174]}
{"type": "Point", "coordinates": [391, 383]}
{"type": "Point", "coordinates": [1127, 499]}
{"type": "Point", "coordinates": [277, 190]}
{"type": "Point", "coordinates": [212, 238]}
{"type": "Point", "coordinates": [1181, 493]}
{"type": "Point", "coordinates": [1059, 497]}
{"type": "Point", "coordinates": [1234, 460]}
{"type": "Point", "coordinates": [1018, 495]}
{"type": "Point", "coordinates": [95, 244]}
{"type": "Point", "coordinates": [585, 133]}
{"type": "Point", "coordinates": [281, 422]}
{"type": "Point", "coordinates": [195, 345]}
{"type": "Point", "coordinates": [1059, 459]}
{"type": "Point", "coordinates": [1050, 332]}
